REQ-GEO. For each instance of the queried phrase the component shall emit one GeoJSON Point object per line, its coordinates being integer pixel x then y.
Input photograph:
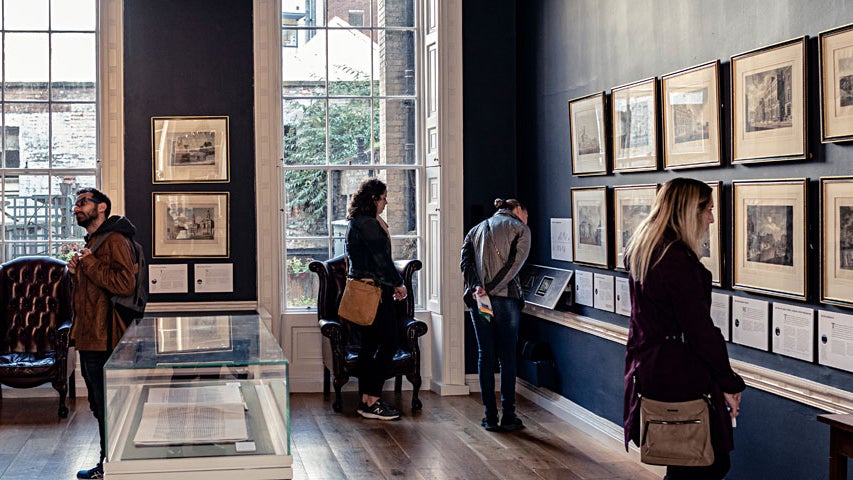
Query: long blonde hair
{"type": "Point", "coordinates": [675, 216]}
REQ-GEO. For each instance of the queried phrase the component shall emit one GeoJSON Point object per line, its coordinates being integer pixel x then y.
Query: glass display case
{"type": "Point", "coordinates": [198, 397]}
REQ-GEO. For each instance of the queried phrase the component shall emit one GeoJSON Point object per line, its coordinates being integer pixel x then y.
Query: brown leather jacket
{"type": "Point", "coordinates": [108, 271]}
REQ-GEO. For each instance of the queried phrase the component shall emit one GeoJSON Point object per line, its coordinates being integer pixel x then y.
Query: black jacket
{"type": "Point", "coordinates": [369, 252]}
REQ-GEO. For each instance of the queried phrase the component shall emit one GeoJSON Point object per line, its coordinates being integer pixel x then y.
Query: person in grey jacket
{"type": "Point", "coordinates": [492, 255]}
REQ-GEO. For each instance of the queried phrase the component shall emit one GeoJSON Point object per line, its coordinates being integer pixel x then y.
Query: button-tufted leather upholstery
{"type": "Point", "coordinates": [35, 322]}
{"type": "Point", "coordinates": [341, 338]}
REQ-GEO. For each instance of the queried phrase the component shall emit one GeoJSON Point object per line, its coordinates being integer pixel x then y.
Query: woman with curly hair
{"type": "Point", "coordinates": [368, 247]}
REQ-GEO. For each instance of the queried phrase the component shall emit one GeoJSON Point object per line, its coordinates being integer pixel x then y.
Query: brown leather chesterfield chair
{"type": "Point", "coordinates": [341, 338]}
{"type": "Point", "coordinates": [35, 321]}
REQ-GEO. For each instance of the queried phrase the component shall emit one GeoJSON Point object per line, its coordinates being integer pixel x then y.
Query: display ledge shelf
{"type": "Point", "coordinates": [814, 394]}
{"type": "Point", "coordinates": [255, 467]}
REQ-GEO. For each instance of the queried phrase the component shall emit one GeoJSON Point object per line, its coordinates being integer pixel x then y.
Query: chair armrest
{"type": "Point", "coordinates": [332, 329]}
{"type": "Point", "coordinates": [412, 329]}
{"type": "Point", "coordinates": [63, 334]}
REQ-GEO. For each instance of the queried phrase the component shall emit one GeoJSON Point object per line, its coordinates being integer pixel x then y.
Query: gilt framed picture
{"type": "Point", "coordinates": [589, 225]}
{"type": "Point", "coordinates": [769, 237]}
{"type": "Point", "coordinates": [836, 84]}
{"type": "Point", "coordinates": [769, 103]}
{"type": "Point", "coordinates": [691, 117]}
{"type": "Point", "coordinates": [191, 224]}
{"type": "Point", "coordinates": [190, 149]}
{"type": "Point", "coordinates": [710, 255]}
{"type": "Point", "coordinates": [836, 200]}
{"type": "Point", "coordinates": [631, 205]}
{"type": "Point", "coordinates": [588, 137]}
{"type": "Point", "coordinates": [634, 133]}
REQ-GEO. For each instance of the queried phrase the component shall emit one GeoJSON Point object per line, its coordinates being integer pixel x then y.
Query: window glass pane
{"type": "Point", "coordinates": [407, 249]}
{"type": "Point", "coordinates": [29, 121]}
{"type": "Point", "coordinates": [303, 66]}
{"type": "Point", "coordinates": [395, 13]}
{"type": "Point", "coordinates": [25, 14]}
{"type": "Point", "coordinates": [63, 195]}
{"type": "Point", "coordinates": [304, 124]}
{"type": "Point", "coordinates": [396, 62]}
{"type": "Point", "coordinates": [73, 67]}
{"type": "Point", "coordinates": [301, 284]}
{"type": "Point", "coordinates": [350, 53]}
{"type": "Point", "coordinates": [26, 66]}
{"type": "Point", "coordinates": [349, 131]}
{"type": "Point", "coordinates": [306, 202]}
{"type": "Point", "coordinates": [394, 139]}
{"type": "Point", "coordinates": [74, 135]}
{"type": "Point", "coordinates": [72, 14]}
{"type": "Point", "coordinates": [401, 211]}
{"type": "Point", "coordinates": [344, 184]}
{"type": "Point", "coordinates": [340, 11]}
{"type": "Point", "coordinates": [301, 12]}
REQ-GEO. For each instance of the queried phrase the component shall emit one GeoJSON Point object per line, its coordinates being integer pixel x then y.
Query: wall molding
{"type": "Point", "coordinates": [189, 307]}
{"type": "Point", "coordinates": [790, 387]}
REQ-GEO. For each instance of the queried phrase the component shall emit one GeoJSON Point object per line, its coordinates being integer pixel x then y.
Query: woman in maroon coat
{"type": "Point", "coordinates": [675, 353]}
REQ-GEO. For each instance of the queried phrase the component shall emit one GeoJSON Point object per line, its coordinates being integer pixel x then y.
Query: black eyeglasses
{"type": "Point", "coordinates": [82, 201]}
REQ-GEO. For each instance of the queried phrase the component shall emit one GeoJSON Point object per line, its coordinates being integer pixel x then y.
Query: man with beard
{"type": "Point", "coordinates": [99, 275]}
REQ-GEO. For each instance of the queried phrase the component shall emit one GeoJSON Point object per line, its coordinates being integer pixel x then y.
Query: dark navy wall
{"type": "Point", "coordinates": [570, 49]}
{"type": "Point", "coordinates": [192, 57]}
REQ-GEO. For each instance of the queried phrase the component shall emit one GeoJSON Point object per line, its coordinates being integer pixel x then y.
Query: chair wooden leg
{"type": "Point", "coordinates": [337, 405]}
{"type": "Point", "coordinates": [72, 386]}
{"type": "Point", "coordinates": [398, 384]}
{"type": "Point", "coordinates": [416, 386]}
{"type": "Point", "coordinates": [61, 386]}
{"type": "Point", "coordinates": [326, 375]}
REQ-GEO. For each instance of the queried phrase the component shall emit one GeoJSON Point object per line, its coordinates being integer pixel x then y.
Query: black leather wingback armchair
{"type": "Point", "coordinates": [35, 323]}
{"type": "Point", "coordinates": [341, 338]}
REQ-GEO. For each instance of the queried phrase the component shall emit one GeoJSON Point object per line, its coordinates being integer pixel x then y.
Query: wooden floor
{"type": "Point", "coordinates": [444, 441]}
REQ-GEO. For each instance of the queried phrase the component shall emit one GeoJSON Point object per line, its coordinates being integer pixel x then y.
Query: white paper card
{"type": "Point", "coordinates": [835, 340]}
{"type": "Point", "coordinates": [583, 288]}
{"type": "Point", "coordinates": [623, 297]}
{"type": "Point", "coordinates": [720, 309]}
{"type": "Point", "coordinates": [793, 331]}
{"type": "Point", "coordinates": [561, 239]}
{"type": "Point", "coordinates": [750, 322]}
{"type": "Point", "coordinates": [214, 277]}
{"type": "Point", "coordinates": [603, 292]}
{"type": "Point", "coordinates": [167, 278]}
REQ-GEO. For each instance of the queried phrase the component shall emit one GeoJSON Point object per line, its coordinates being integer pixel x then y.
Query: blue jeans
{"type": "Point", "coordinates": [497, 340]}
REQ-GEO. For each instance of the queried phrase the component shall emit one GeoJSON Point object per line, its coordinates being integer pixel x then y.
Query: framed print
{"type": "Point", "coordinates": [836, 84]}
{"type": "Point", "coordinates": [634, 117]}
{"type": "Point", "coordinates": [836, 239]}
{"type": "Point", "coordinates": [769, 237]}
{"type": "Point", "coordinates": [691, 117]}
{"type": "Point", "coordinates": [191, 224]}
{"type": "Point", "coordinates": [190, 149]}
{"type": "Point", "coordinates": [769, 103]}
{"type": "Point", "coordinates": [711, 257]}
{"type": "Point", "coordinates": [586, 123]}
{"type": "Point", "coordinates": [631, 205]}
{"type": "Point", "coordinates": [589, 225]}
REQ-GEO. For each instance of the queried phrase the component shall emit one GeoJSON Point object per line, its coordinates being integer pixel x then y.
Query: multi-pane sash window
{"type": "Point", "coordinates": [350, 103]}
{"type": "Point", "coordinates": [49, 122]}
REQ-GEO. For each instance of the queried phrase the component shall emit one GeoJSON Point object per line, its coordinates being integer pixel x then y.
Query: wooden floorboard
{"type": "Point", "coordinates": [445, 441]}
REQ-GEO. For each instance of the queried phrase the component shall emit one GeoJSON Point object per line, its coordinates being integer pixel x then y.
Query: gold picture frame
{"type": "Point", "coordinates": [588, 135]}
{"type": "Point", "coordinates": [691, 117]}
{"type": "Point", "coordinates": [190, 149]}
{"type": "Point", "coordinates": [769, 103]}
{"type": "Point", "coordinates": [631, 205]}
{"type": "Point", "coordinates": [836, 77]}
{"type": "Point", "coordinates": [191, 225]}
{"type": "Point", "coordinates": [710, 254]}
{"type": "Point", "coordinates": [634, 136]}
{"type": "Point", "coordinates": [589, 226]}
{"type": "Point", "coordinates": [836, 240]}
{"type": "Point", "coordinates": [769, 237]}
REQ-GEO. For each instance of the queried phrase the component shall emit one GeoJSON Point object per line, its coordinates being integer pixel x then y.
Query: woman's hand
{"type": "Point", "coordinates": [733, 401]}
{"type": "Point", "coordinates": [400, 293]}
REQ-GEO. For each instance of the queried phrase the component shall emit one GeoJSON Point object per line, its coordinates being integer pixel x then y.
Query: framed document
{"type": "Point", "coordinates": [631, 205]}
{"type": "Point", "coordinates": [189, 149]}
{"type": "Point", "coordinates": [589, 225]}
{"type": "Point", "coordinates": [836, 233]}
{"type": "Point", "coordinates": [691, 117]}
{"type": "Point", "coordinates": [711, 257]}
{"type": "Point", "coordinates": [836, 84]}
{"type": "Point", "coordinates": [634, 117]}
{"type": "Point", "coordinates": [769, 103]}
{"type": "Point", "coordinates": [587, 128]}
{"type": "Point", "coordinates": [769, 240]}
{"type": "Point", "coordinates": [190, 224]}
